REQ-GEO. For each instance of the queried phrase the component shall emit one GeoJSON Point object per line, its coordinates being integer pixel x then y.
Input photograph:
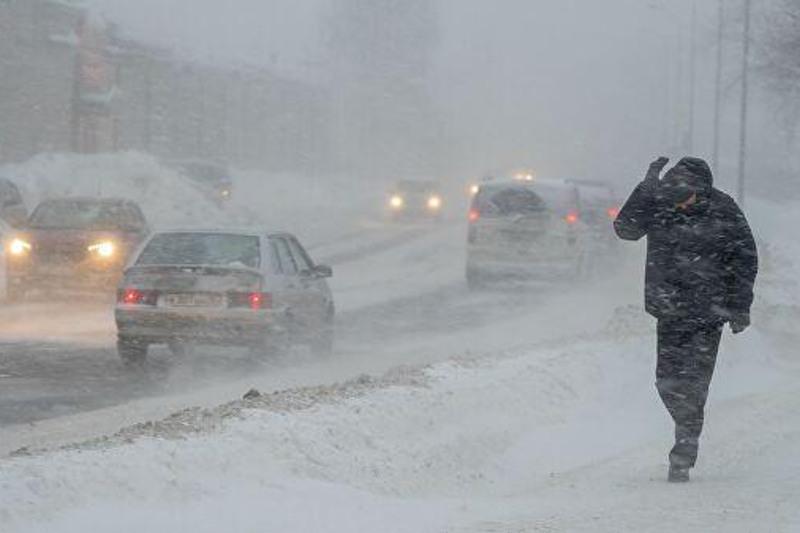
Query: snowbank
{"type": "Point", "coordinates": [415, 450]}
{"type": "Point", "coordinates": [167, 198]}
{"type": "Point", "coordinates": [318, 208]}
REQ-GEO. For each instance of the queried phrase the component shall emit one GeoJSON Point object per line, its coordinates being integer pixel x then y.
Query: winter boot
{"type": "Point", "coordinates": [678, 473]}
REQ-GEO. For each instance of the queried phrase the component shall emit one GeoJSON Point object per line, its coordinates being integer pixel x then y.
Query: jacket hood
{"type": "Point", "coordinates": [691, 175]}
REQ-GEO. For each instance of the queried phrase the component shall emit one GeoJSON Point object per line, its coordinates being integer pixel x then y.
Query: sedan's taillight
{"type": "Point", "coordinates": [253, 300]}
{"type": "Point", "coordinates": [572, 217]}
{"type": "Point", "coordinates": [474, 215]}
{"type": "Point", "coordinates": [137, 297]}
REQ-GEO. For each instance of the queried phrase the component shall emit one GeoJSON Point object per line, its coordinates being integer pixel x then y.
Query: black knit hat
{"type": "Point", "coordinates": [691, 175]}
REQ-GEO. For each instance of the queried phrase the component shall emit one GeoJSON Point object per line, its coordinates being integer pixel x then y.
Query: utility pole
{"type": "Point", "coordinates": [692, 78]}
{"type": "Point", "coordinates": [148, 104]}
{"type": "Point", "coordinates": [718, 83]}
{"type": "Point", "coordinates": [743, 110]}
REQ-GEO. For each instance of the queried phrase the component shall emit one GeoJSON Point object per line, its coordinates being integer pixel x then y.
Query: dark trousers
{"type": "Point", "coordinates": [687, 353]}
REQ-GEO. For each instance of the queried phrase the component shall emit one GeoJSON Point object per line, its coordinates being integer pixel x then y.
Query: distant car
{"type": "Point", "coordinates": [475, 186]}
{"type": "Point", "coordinates": [213, 179]}
{"type": "Point", "coordinates": [416, 199]}
{"type": "Point", "coordinates": [228, 288]}
{"type": "Point", "coordinates": [12, 207]}
{"type": "Point", "coordinates": [5, 234]}
{"type": "Point", "coordinates": [524, 230]}
{"type": "Point", "coordinates": [74, 243]}
{"type": "Point", "coordinates": [599, 206]}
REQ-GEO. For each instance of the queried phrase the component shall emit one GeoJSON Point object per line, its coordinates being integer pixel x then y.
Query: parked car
{"type": "Point", "coordinates": [74, 243]}
{"type": "Point", "coordinates": [525, 230]}
{"type": "Point", "coordinates": [213, 179]}
{"type": "Point", "coordinates": [419, 199]}
{"type": "Point", "coordinates": [12, 207]}
{"type": "Point", "coordinates": [229, 288]}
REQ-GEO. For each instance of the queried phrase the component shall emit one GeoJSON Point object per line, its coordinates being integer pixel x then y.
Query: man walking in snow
{"type": "Point", "coordinates": [701, 267]}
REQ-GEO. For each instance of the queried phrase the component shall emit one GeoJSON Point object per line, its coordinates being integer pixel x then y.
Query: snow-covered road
{"type": "Point", "coordinates": [405, 304]}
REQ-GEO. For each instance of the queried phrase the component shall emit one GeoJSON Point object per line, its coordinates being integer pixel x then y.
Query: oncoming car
{"type": "Point", "coordinates": [211, 178]}
{"type": "Point", "coordinates": [73, 243]}
{"type": "Point", "coordinates": [227, 288]}
{"type": "Point", "coordinates": [524, 230]}
{"type": "Point", "coordinates": [5, 233]}
{"type": "Point", "coordinates": [416, 199]}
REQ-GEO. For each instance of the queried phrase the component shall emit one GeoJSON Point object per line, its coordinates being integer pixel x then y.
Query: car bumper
{"type": "Point", "coordinates": [414, 212]}
{"type": "Point", "coordinates": [40, 277]}
{"type": "Point", "coordinates": [523, 265]}
{"type": "Point", "coordinates": [230, 327]}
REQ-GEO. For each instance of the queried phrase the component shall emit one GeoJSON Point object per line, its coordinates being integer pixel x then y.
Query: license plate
{"type": "Point", "coordinates": [522, 236]}
{"type": "Point", "coordinates": [192, 300]}
{"type": "Point", "coordinates": [56, 270]}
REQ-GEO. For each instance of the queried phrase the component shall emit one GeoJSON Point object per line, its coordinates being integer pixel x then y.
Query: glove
{"type": "Point", "coordinates": [655, 169]}
{"type": "Point", "coordinates": [740, 322]}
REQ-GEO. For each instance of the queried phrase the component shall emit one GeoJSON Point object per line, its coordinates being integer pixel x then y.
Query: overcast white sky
{"type": "Point", "coordinates": [569, 86]}
{"type": "Point", "coordinates": [236, 31]}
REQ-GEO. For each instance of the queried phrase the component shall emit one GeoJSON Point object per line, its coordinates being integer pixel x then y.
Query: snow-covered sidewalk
{"type": "Point", "coordinates": [541, 438]}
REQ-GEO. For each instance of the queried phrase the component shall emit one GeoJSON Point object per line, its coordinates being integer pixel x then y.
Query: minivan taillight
{"type": "Point", "coordinates": [252, 300]}
{"type": "Point", "coordinates": [132, 296]}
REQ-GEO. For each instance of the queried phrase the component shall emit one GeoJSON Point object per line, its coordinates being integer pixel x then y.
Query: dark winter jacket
{"type": "Point", "coordinates": [701, 262]}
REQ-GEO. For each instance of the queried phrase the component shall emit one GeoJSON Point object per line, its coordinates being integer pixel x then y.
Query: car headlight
{"type": "Point", "coordinates": [523, 176]}
{"type": "Point", "coordinates": [397, 201]}
{"type": "Point", "coordinates": [225, 193]}
{"type": "Point", "coordinates": [474, 189]}
{"type": "Point", "coordinates": [434, 202]}
{"type": "Point", "coordinates": [19, 247]}
{"type": "Point", "coordinates": [103, 249]}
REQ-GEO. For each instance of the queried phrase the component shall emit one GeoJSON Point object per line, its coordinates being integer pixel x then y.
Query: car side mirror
{"type": "Point", "coordinates": [323, 271]}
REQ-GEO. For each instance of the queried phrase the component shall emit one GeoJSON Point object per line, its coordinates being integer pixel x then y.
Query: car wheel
{"type": "Point", "coordinates": [321, 341]}
{"type": "Point", "coordinates": [273, 345]}
{"type": "Point", "coordinates": [132, 351]}
{"type": "Point", "coordinates": [179, 348]}
{"type": "Point", "coordinates": [475, 279]}
{"type": "Point", "coordinates": [583, 268]}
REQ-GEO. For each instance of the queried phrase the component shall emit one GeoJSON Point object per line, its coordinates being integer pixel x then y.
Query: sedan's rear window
{"type": "Point", "coordinates": [209, 249]}
{"type": "Point", "coordinates": [511, 201]}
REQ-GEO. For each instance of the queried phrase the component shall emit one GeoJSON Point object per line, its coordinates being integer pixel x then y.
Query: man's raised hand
{"type": "Point", "coordinates": [656, 167]}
